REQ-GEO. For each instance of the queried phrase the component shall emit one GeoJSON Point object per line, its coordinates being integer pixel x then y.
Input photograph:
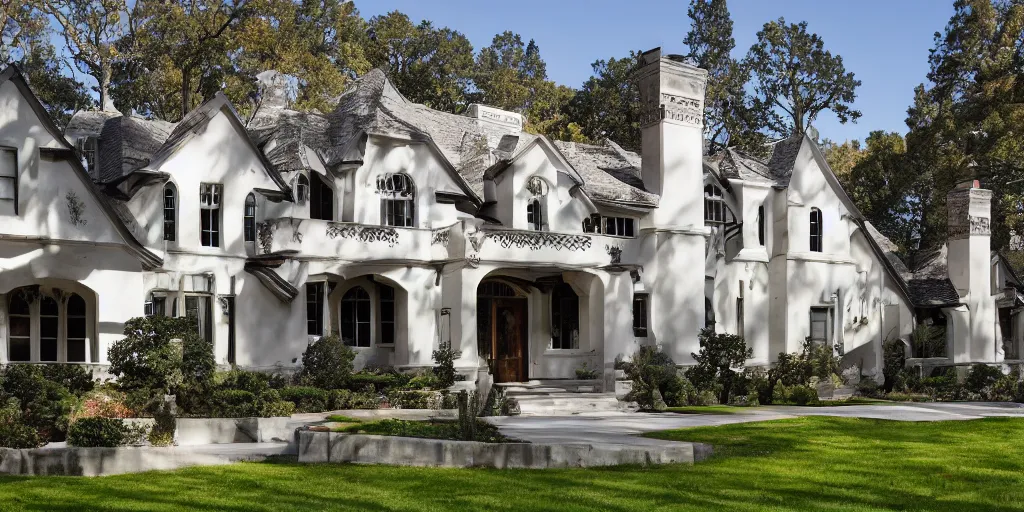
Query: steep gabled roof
{"type": "Point", "coordinates": [128, 142]}
{"type": "Point", "coordinates": [609, 172]}
{"type": "Point", "coordinates": [67, 153]}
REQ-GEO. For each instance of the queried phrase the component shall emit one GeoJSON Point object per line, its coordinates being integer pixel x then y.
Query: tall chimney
{"type": "Point", "coordinates": [969, 263]}
{"type": "Point", "coordinates": [672, 99]}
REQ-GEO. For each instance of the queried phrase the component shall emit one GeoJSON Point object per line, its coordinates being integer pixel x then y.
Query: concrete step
{"type": "Point", "coordinates": [563, 403]}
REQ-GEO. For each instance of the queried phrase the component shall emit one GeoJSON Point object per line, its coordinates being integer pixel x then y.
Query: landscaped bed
{"type": "Point", "coordinates": [813, 463]}
{"type": "Point", "coordinates": [430, 429]}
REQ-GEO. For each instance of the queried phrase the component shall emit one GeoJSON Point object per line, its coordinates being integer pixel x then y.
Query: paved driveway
{"type": "Point", "coordinates": [621, 428]}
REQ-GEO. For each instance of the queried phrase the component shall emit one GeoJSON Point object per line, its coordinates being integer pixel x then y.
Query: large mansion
{"type": "Point", "coordinates": [400, 228]}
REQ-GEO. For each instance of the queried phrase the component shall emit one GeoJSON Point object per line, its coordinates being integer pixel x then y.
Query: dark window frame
{"type": "Point", "coordinates": [760, 225]}
{"type": "Point", "coordinates": [210, 201]}
{"type": "Point", "coordinates": [170, 212]}
{"type": "Point", "coordinates": [817, 240]}
{"type": "Point", "coordinates": [356, 318]}
{"type": "Point", "coordinates": [641, 312]}
{"type": "Point", "coordinates": [13, 179]}
{"type": "Point", "coordinates": [315, 299]}
{"type": "Point", "coordinates": [565, 314]}
{"type": "Point", "coordinates": [623, 227]}
{"type": "Point", "coordinates": [398, 199]}
{"type": "Point", "coordinates": [249, 218]}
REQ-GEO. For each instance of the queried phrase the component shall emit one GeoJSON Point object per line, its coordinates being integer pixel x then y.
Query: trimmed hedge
{"type": "Point", "coordinates": [306, 398]}
{"type": "Point", "coordinates": [106, 432]}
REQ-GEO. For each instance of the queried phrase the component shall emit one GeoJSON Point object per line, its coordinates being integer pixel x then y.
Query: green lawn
{"type": "Point", "coordinates": [813, 463]}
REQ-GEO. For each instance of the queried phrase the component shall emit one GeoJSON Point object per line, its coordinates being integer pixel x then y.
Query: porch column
{"type": "Point", "coordinates": [618, 323]}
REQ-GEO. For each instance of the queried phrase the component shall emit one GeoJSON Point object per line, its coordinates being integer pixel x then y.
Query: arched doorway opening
{"type": "Point", "coordinates": [502, 329]}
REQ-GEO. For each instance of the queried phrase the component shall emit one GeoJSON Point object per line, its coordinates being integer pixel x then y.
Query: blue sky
{"type": "Point", "coordinates": [884, 42]}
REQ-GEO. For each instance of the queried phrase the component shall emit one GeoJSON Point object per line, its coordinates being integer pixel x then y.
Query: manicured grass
{"type": "Point", "coordinates": [433, 429]}
{"type": "Point", "coordinates": [812, 463]}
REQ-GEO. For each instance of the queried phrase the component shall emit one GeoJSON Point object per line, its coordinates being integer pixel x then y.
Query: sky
{"type": "Point", "coordinates": [884, 43]}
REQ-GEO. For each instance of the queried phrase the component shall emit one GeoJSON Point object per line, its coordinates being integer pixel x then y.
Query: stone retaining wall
{"type": "Point", "coordinates": [76, 461]}
{"type": "Point", "coordinates": [334, 447]}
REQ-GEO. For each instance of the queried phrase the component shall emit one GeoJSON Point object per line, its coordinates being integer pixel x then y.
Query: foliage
{"type": "Point", "coordinates": [795, 78]}
{"type": "Point", "coordinates": [164, 425]}
{"type": "Point", "coordinates": [45, 405]}
{"type": "Point", "coordinates": [14, 432]}
{"type": "Point", "coordinates": [469, 408]}
{"type": "Point", "coordinates": [981, 377]}
{"type": "Point", "coordinates": [106, 432]}
{"type": "Point", "coordinates": [306, 399]}
{"type": "Point", "coordinates": [893, 363]}
{"type": "Point", "coordinates": [719, 354]}
{"type": "Point", "coordinates": [74, 378]}
{"type": "Point", "coordinates": [437, 429]}
{"type": "Point", "coordinates": [444, 369]}
{"type": "Point", "coordinates": [585, 373]}
{"type": "Point", "coordinates": [497, 404]}
{"type": "Point", "coordinates": [413, 399]}
{"type": "Point", "coordinates": [327, 363]}
{"type": "Point", "coordinates": [608, 104]}
{"type": "Point", "coordinates": [654, 375]}
{"type": "Point", "coordinates": [928, 341]}
{"type": "Point", "coordinates": [150, 359]}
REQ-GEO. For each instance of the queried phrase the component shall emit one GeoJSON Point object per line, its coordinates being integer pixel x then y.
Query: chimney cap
{"type": "Point", "coordinates": [967, 184]}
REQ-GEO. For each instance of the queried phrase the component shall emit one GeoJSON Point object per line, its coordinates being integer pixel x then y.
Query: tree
{"type": "Point", "coordinates": [428, 65]}
{"type": "Point", "coordinates": [842, 158]}
{"type": "Point", "coordinates": [719, 354]}
{"type": "Point", "coordinates": [795, 79]}
{"type": "Point", "coordinates": [608, 104]}
{"type": "Point", "coordinates": [728, 117]}
{"type": "Point", "coordinates": [20, 21]}
{"type": "Point", "coordinates": [509, 74]}
{"type": "Point", "coordinates": [90, 29]}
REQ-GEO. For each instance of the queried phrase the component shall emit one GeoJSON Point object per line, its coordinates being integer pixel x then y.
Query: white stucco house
{"type": "Point", "coordinates": [400, 227]}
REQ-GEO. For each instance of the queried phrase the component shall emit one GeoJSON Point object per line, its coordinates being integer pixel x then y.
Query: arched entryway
{"type": "Point", "coordinates": [502, 329]}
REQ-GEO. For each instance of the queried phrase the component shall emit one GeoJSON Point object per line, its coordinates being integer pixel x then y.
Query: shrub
{"type": "Point", "coordinates": [278, 408]}
{"type": "Point", "coordinates": [234, 403]}
{"type": "Point", "coordinates": [803, 395]}
{"type": "Point", "coordinates": [928, 341]}
{"type": "Point", "coordinates": [326, 363]}
{"type": "Point", "coordinates": [410, 399]}
{"type": "Point", "coordinates": [306, 399]}
{"type": "Point", "coordinates": [14, 433]}
{"type": "Point", "coordinates": [444, 365]}
{"type": "Point", "coordinates": [981, 378]}
{"type": "Point", "coordinates": [425, 380]}
{"type": "Point", "coordinates": [164, 425]}
{"type": "Point", "coordinates": [719, 354]}
{"type": "Point", "coordinates": [654, 375]}
{"type": "Point", "coordinates": [97, 431]}
{"type": "Point", "coordinates": [869, 388]}
{"type": "Point", "coordinates": [893, 365]}
{"type": "Point", "coordinates": [585, 373]}
{"type": "Point", "coordinates": [1008, 388]}
{"type": "Point", "coordinates": [105, 403]}
{"type": "Point", "coordinates": [380, 382]}
{"type": "Point", "coordinates": [253, 382]}
{"type": "Point", "coordinates": [148, 364]}
{"type": "Point", "coordinates": [74, 378]}
{"type": "Point", "coordinates": [45, 405]}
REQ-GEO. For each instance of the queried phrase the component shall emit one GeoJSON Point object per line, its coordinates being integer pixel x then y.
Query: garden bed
{"type": "Point", "coordinates": [430, 429]}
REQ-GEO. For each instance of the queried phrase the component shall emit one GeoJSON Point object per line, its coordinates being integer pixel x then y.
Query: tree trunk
{"type": "Point", "coordinates": [186, 90]}
{"type": "Point", "coordinates": [106, 103]}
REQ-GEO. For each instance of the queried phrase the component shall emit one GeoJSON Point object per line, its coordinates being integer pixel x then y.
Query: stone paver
{"type": "Point", "coordinates": [621, 428]}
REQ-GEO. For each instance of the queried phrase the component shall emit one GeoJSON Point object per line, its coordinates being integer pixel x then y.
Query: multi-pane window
{"type": "Point", "coordinates": [714, 205]}
{"type": "Point", "coordinates": [398, 195]}
{"type": "Point", "coordinates": [46, 328]}
{"type": "Point", "coordinates": [170, 212]}
{"type": "Point", "coordinates": [76, 327]}
{"type": "Point", "coordinates": [760, 225]}
{"type": "Point", "coordinates": [315, 309]}
{"type": "Point", "coordinates": [19, 318]}
{"type": "Point", "coordinates": [640, 314]}
{"type": "Point", "coordinates": [816, 230]}
{"type": "Point", "coordinates": [565, 316]}
{"type": "Point", "coordinates": [619, 226]}
{"type": "Point", "coordinates": [8, 174]}
{"type": "Point", "coordinates": [49, 327]}
{"type": "Point", "coordinates": [197, 308]}
{"type": "Point", "coordinates": [249, 218]}
{"type": "Point", "coordinates": [355, 317]}
{"type": "Point", "coordinates": [209, 213]}
{"type": "Point", "coordinates": [155, 306]}
{"type": "Point", "coordinates": [534, 216]}
{"type": "Point", "coordinates": [387, 314]}
{"type": "Point", "coordinates": [820, 324]}
{"type": "Point", "coordinates": [87, 145]}
{"type": "Point", "coordinates": [301, 190]}
{"type": "Point", "coordinates": [321, 200]}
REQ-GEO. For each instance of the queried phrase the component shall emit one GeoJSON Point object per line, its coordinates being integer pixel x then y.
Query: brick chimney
{"type": "Point", "coordinates": [969, 214]}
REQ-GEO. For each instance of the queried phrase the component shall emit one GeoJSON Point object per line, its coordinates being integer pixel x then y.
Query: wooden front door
{"type": "Point", "coordinates": [508, 338]}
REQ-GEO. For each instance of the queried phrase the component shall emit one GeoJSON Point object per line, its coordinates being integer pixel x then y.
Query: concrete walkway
{"type": "Point", "coordinates": [620, 428]}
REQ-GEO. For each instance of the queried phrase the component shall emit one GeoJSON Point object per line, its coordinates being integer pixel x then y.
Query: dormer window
{"type": "Point", "coordinates": [816, 230]}
{"type": "Point", "coordinates": [397, 203]}
{"type": "Point", "coordinates": [534, 215]}
{"type": "Point", "coordinates": [87, 145]}
{"type": "Point", "coordinates": [714, 205]}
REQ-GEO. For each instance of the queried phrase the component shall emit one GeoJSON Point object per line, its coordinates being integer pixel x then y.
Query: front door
{"type": "Point", "coordinates": [508, 323]}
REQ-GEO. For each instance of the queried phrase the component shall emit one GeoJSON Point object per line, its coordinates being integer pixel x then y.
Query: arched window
{"type": "Point", "coordinates": [170, 214]}
{"type": "Point", "coordinates": [321, 199]}
{"type": "Point", "coordinates": [19, 320]}
{"type": "Point", "coordinates": [76, 328]}
{"type": "Point", "coordinates": [760, 225]}
{"type": "Point", "coordinates": [714, 205]}
{"type": "Point", "coordinates": [816, 230]}
{"type": "Point", "coordinates": [534, 215]}
{"type": "Point", "coordinates": [355, 317]}
{"type": "Point", "coordinates": [301, 190]}
{"type": "Point", "coordinates": [249, 218]}
{"type": "Point", "coordinates": [565, 318]}
{"type": "Point", "coordinates": [49, 328]}
{"type": "Point", "coordinates": [398, 196]}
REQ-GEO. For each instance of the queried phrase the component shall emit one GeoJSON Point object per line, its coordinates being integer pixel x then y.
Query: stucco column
{"type": "Point", "coordinates": [619, 341]}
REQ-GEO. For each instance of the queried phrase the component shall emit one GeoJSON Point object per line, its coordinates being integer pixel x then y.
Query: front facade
{"type": "Point", "coordinates": [401, 228]}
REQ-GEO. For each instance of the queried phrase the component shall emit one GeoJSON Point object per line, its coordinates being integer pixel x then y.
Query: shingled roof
{"type": "Point", "coordinates": [929, 282]}
{"type": "Point", "coordinates": [609, 172]}
{"type": "Point", "coordinates": [128, 143]}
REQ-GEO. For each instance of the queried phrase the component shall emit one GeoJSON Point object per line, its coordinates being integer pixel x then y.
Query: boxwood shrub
{"type": "Point", "coordinates": [306, 399]}
{"type": "Point", "coordinates": [97, 431]}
